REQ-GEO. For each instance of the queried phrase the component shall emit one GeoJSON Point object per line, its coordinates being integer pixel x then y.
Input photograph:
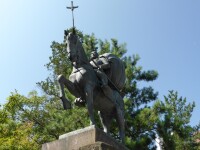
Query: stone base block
{"type": "Point", "coordinates": [89, 138]}
{"type": "Point", "coordinates": [97, 146]}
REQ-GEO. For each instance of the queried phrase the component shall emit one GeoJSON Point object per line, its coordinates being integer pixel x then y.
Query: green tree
{"type": "Point", "coordinates": [34, 120]}
{"type": "Point", "coordinates": [173, 124]}
{"type": "Point", "coordinates": [14, 132]}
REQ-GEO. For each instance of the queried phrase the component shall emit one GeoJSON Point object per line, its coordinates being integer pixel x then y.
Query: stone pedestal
{"type": "Point", "coordinates": [89, 138]}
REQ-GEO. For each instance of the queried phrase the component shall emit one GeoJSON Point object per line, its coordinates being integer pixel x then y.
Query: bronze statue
{"type": "Point", "coordinates": [86, 83]}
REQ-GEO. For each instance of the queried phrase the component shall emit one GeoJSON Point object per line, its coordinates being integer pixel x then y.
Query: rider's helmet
{"type": "Point", "coordinates": [94, 55]}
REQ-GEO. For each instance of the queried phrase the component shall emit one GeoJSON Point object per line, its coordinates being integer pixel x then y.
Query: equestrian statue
{"type": "Point", "coordinates": [96, 82]}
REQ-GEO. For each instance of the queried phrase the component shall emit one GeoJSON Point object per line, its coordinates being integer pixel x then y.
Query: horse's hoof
{"type": "Point", "coordinates": [66, 103]}
{"type": "Point", "coordinates": [79, 102]}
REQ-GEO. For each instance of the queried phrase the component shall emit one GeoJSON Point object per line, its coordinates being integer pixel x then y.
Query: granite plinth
{"type": "Point", "coordinates": [85, 139]}
{"type": "Point", "coordinates": [97, 146]}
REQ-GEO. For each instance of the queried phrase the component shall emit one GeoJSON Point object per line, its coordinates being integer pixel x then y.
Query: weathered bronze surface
{"type": "Point", "coordinates": [96, 82]}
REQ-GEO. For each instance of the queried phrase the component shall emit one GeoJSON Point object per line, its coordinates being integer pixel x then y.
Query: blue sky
{"type": "Point", "coordinates": [164, 33]}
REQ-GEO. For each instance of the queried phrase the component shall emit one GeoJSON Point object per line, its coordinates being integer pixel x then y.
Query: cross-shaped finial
{"type": "Point", "coordinates": [72, 9]}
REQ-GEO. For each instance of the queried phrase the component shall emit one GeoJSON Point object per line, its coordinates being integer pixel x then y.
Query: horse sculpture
{"type": "Point", "coordinates": [83, 83]}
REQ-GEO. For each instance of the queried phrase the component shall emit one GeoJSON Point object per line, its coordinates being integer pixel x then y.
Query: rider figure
{"type": "Point", "coordinates": [101, 65]}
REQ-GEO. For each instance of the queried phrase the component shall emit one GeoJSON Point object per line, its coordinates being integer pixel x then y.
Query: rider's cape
{"type": "Point", "coordinates": [116, 72]}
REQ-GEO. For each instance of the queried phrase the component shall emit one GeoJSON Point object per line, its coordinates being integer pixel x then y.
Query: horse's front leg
{"type": "Point", "coordinates": [65, 82]}
{"type": "Point", "coordinates": [89, 102]}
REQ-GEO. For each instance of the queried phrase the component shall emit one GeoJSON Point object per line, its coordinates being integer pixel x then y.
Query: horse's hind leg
{"type": "Point", "coordinates": [89, 102]}
{"type": "Point", "coordinates": [105, 121]}
{"type": "Point", "coordinates": [120, 121]}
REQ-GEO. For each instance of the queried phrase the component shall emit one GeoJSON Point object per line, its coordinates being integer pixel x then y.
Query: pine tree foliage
{"type": "Point", "coordinates": [173, 124]}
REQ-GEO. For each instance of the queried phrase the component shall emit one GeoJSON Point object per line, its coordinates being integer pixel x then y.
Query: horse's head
{"type": "Point", "coordinates": [72, 49]}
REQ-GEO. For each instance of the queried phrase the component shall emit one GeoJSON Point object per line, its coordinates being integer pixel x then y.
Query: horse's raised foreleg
{"type": "Point", "coordinates": [64, 82]}
{"type": "Point", "coordinates": [89, 102]}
